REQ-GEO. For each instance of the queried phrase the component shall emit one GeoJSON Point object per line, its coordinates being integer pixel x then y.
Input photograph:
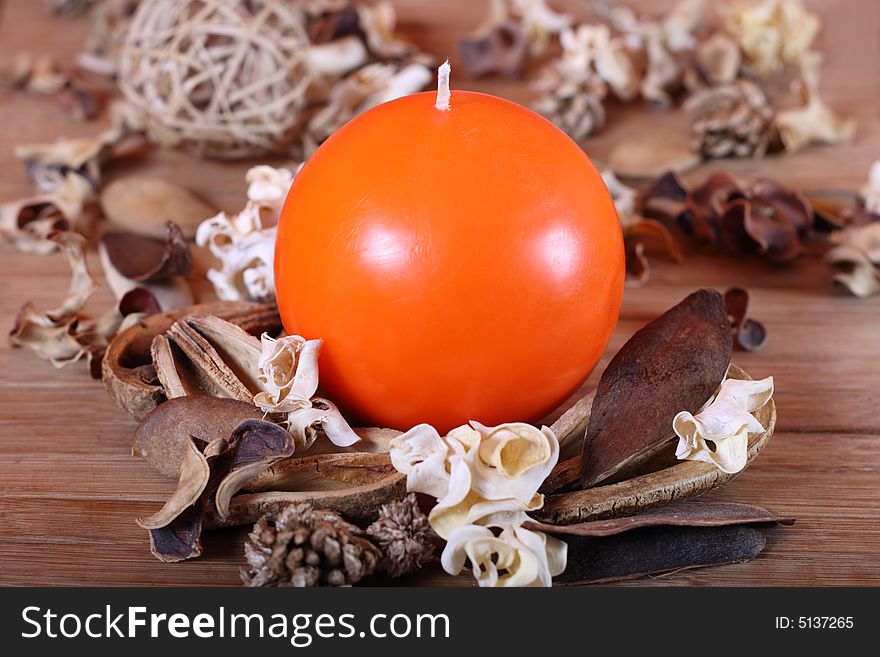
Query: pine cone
{"type": "Point", "coordinates": [307, 547]}
{"type": "Point", "coordinates": [732, 119]}
{"type": "Point", "coordinates": [403, 534]}
{"type": "Point", "coordinates": [575, 106]}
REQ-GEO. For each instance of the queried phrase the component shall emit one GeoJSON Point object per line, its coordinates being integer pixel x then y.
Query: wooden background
{"type": "Point", "coordinates": [70, 490]}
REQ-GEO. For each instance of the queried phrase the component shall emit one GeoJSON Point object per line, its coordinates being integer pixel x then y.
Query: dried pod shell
{"type": "Point", "coordinates": [674, 363]}
{"type": "Point", "coordinates": [354, 484]}
{"type": "Point", "coordinates": [652, 154]}
{"type": "Point", "coordinates": [128, 371]}
{"type": "Point", "coordinates": [677, 482]}
{"type": "Point", "coordinates": [162, 436]}
{"type": "Point", "coordinates": [142, 204]}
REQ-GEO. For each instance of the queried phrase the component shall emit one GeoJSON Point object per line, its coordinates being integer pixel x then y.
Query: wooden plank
{"type": "Point", "coordinates": [69, 488]}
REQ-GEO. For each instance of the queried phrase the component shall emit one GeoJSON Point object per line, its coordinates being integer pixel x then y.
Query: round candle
{"type": "Point", "coordinates": [460, 256]}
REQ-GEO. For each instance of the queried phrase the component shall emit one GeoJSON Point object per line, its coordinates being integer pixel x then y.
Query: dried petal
{"type": "Point", "coordinates": [497, 50]}
{"type": "Point", "coordinates": [194, 476]}
{"type": "Point", "coordinates": [870, 192]}
{"type": "Point", "coordinates": [856, 259]}
{"type": "Point", "coordinates": [815, 122]}
{"type": "Point", "coordinates": [719, 433]}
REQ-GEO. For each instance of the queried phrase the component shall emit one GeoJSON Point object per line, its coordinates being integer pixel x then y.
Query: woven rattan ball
{"type": "Point", "coordinates": [218, 78]}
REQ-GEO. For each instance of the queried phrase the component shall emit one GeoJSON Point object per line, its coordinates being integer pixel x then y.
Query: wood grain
{"type": "Point", "coordinates": [70, 490]}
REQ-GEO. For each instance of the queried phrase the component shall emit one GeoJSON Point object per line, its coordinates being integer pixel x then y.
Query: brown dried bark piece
{"type": "Point", "coordinates": [673, 364]}
{"type": "Point", "coordinates": [162, 436]}
{"type": "Point", "coordinates": [682, 514]}
{"type": "Point", "coordinates": [748, 334]}
{"type": "Point", "coordinates": [655, 550]}
{"type": "Point", "coordinates": [128, 371]}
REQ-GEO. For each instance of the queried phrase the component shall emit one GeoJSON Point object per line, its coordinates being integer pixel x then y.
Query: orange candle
{"type": "Point", "coordinates": [460, 256]}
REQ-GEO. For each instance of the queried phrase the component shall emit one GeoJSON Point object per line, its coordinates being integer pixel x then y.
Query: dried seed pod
{"type": "Point", "coordinates": [656, 374]}
{"type": "Point", "coordinates": [128, 370]}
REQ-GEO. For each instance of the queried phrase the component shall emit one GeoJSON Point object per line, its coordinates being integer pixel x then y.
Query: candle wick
{"type": "Point", "coordinates": [443, 93]}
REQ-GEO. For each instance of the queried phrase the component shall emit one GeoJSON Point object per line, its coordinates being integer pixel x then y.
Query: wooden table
{"type": "Point", "coordinates": [70, 490]}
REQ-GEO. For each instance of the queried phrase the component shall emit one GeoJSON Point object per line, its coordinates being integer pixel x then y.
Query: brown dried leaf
{"type": "Point", "coordinates": [682, 514]}
{"type": "Point", "coordinates": [665, 199]}
{"type": "Point", "coordinates": [674, 363]}
{"type": "Point", "coordinates": [748, 334]}
{"type": "Point", "coordinates": [194, 476]}
{"type": "Point", "coordinates": [256, 445]}
{"type": "Point", "coordinates": [162, 436]}
{"type": "Point", "coordinates": [634, 236]}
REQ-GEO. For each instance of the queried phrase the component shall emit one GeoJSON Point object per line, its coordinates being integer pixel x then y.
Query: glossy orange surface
{"type": "Point", "coordinates": [460, 265]}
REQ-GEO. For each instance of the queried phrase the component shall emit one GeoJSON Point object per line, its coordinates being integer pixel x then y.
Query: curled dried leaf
{"type": "Point", "coordinates": [748, 334]}
{"type": "Point", "coordinates": [194, 476]}
{"type": "Point", "coordinates": [657, 373]}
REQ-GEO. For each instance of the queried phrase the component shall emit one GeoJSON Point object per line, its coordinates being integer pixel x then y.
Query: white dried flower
{"type": "Point", "coordinates": [815, 122]}
{"type": "Point", "coordinates": [515, 557]}
{"type": "Point", "coordinates": [871, 190]}
{"type": "Point", "coordinates": [719, 433]}
{"type": "Point", "coordinates": [772, 32]}
{"type": "Point", "coordinates": [245, 248]}
{"type": "Point", "coordinates": [287, 373]}
{"type": "Point", "coordinates": [540, 22]}
{"type": "Point", "coordinates": [478, 474]}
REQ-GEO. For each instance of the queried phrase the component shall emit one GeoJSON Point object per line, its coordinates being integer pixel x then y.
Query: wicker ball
{"type": "Point", "coordinates": [218, 78]}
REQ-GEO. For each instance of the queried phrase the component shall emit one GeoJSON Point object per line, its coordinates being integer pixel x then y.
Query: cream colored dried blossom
{"type": "Point", "coordinates": [515, 557]}
{"type": "Point", "coordinates": [539, 22]}
{"type": "Point", "coordinates": [772, 33]}
{"type": "Point", "coordinates": [719, 433]}
{"type": "Point", "coordinates": [624, 198]}
{"type": "Point", "coordinates": [870, 192]}
{"type": "Point", "coordinates": [815, 122]}
{"type": "Point", "coordinates": [478, 474]}
{"type": "Point", "coordinates": [245, 248]}
{"type": "Point", "coordinates": [590, 50]}
{"type": "Point", "coordinates": [856, 259]}
{"type": "Point", "coordinates": [287, 372]}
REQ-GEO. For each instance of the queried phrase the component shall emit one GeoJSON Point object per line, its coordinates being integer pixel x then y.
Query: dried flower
{"type": "Point", "coordinates": [288, 377]}
{"type": "Point", "coordinates": [514, 557]}
{"type": "Point", "coordinates": [719, 433]}
{"type": "Point", "coordinates": [500, 45]}
{"type": "Point", "coordinates": [855, 259]}
{"type": "Point", "coordinates": [539, 21]}
{"type": "Point", "coordinates": [772, 32]}
{"type": "Point", "coordinates": [245, 248]}
{"type": "Point", "coordinates": [870, 192]}
{"type": "Point", "coordinates": [478, 474]}
{"type": "Point", "coordinates": [815, 122]}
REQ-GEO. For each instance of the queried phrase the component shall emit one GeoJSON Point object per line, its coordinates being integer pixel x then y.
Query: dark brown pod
{"type": "Point", "coordinates": [673, 364]}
